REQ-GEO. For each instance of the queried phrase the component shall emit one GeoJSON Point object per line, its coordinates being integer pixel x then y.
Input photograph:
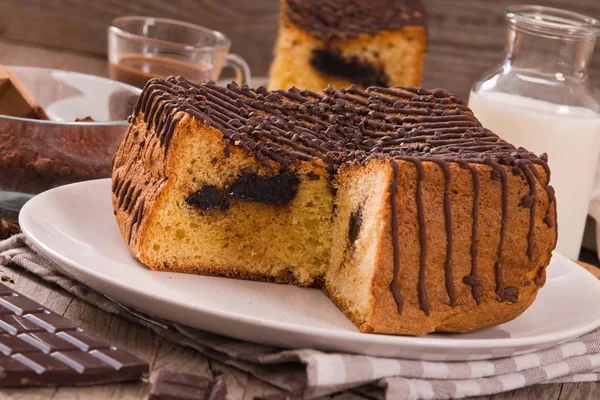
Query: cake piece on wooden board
{"type": "Point", "coordinates": [345, 42]}
{"type": "Point", "coordinates": [15, 99]}
{"type": "Point", "coordinates": [397, 202]}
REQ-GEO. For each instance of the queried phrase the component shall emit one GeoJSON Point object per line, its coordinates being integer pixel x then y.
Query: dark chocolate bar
{"type": "Point", "coordinates": [178, 386]}
{"type": "Point", "coordinates": [41, 348]}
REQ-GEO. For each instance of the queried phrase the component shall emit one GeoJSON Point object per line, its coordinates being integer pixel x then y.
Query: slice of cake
{"type": "Point", "coordinates": [337, 42]}
{"type": "Point", "coordinates": [397, 202]}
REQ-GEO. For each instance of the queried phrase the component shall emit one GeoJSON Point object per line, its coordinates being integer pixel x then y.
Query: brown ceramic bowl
{"type": "Point", "coordinates": [38, 155]}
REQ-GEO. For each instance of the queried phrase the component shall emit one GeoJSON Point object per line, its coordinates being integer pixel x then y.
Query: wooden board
{"type": "Point", "coordinates": [466, 37]}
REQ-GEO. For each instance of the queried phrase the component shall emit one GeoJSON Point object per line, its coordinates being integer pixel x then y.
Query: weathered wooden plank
{"type": "Point", "coordinates": [81, 25]}
{"type": "Point", "coordinates": [457, 68]}
{"type": "Point", "coordinates": [34, 55]}
{"type": "Point", "coordinates": [576, 391]}
{"type": "Point", "coordinates": [500, 396]}
{"type": "Point", "coordinates": [538, 392]}
{"type": "Point", "coordinates": [466, 37]}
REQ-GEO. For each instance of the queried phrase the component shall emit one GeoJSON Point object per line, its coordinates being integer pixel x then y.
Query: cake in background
{"type": "Point", "coordinates": [337, 42]}
{"type": "Point", "coordinates": [397, 202]}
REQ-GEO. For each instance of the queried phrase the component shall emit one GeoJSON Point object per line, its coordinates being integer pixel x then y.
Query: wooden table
{"type": "Point", "coordinates": [158, 351]}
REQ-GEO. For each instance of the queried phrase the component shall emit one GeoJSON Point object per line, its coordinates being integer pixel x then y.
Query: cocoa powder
{"type": "Point", "coordinates": [36, 156]}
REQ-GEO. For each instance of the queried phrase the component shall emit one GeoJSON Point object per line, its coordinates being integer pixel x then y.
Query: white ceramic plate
{"type": "Point", "coordinates": [74, 225]}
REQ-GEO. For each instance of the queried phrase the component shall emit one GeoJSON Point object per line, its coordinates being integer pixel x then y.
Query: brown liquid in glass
{"type": "Point", "coordinates": [136, 70]}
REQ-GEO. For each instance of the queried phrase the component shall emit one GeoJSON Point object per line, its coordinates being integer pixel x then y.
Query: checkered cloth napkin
{"type": "Point", "coordinates": [307, 373]}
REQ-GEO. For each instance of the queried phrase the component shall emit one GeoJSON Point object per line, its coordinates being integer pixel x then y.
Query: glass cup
{"type": "Point", "coordinates": [540, 97]}
{"type": "Point", "coordinates": [142, 48]}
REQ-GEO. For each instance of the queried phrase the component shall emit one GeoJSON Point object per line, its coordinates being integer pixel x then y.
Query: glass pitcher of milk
{"type": "Point", "coordinates": [540, 98]}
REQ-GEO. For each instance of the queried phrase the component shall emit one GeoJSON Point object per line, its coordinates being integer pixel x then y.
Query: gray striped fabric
{"type": "Point", "coordinates": [309, 373]}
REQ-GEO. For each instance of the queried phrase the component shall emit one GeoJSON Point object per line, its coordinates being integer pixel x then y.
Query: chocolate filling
{"type": "Point", "coordinates": [277, 190]}
{"type": "Point", "coordinates": [207, 198]}
{"type": "Point", "coordinates": [331, 62]}
{"type": "Point", "coordinates": [355, 225]}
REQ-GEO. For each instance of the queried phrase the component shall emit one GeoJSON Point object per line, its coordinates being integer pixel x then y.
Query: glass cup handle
{"type": "Point", "coordinates": [237, 63]}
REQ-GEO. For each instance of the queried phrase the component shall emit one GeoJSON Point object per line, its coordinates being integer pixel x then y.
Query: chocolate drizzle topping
{"type": "Point", "coordinates": [473, 279]}
{"type": "Point", "coordinates": [339, 19]}
{"type": "Point", "coordinates": [349, 127]}
{"type": "Point", "coordinates": [498, 266]}
{"type": "Point", "coordinates": [422, 290]}
{"type": "Point", "coordinates": [532, 194]}
{"type": "Point", "coordinates": [395, 285]}
{"type": "Point", "coordinates": [449, 276]}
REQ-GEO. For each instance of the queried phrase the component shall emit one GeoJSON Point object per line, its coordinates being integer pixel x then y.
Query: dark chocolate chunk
{"type": "Point", "coordinates": [51, 322]}
{"type": "Point", "coordinates": [312, 176]}
{"type": "Point", "coordinates": [43, 363]}
{"type": "Point", "coordinates": [178, 386]}
{"type": "Point", "coordinates": [117, 358]}
{"type": "Point", "coordinates": [10, 344]}
{"type": "Point", "coordinates": [32, 353]}
{"type": "Point", "coordinates": [355, 225]}
{"type": "Point", "coordinates": [330, 62]}
{"type": "Point", "coordinates": [5, 291]}
{"type": "Point", "coordinates": [20, 304]}
{"type": "Point", "coordinates": [276, 190]}
{"type": "Point", "coordinates": [14, 373]}
{"type": "Point", "coordinates": [15, 324]}
{"type": "Point", "coordinates": [83, 362]}
{"type": "Point", "coordinates": [84, 340]}
{"type": "Point", "coordinates": [207, 198]}
{"type": "Point", "coordinates": [527, 201]}
{"type": "Point", "coordinates": [511, 294]}
{"type": "Point", "coordinates": [46, 342]}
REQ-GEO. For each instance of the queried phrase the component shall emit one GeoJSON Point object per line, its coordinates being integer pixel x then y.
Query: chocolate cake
{"type": "Point", "coordinates": [396, 201]}
{"type": "Point", "coordinates": [337, 42]}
